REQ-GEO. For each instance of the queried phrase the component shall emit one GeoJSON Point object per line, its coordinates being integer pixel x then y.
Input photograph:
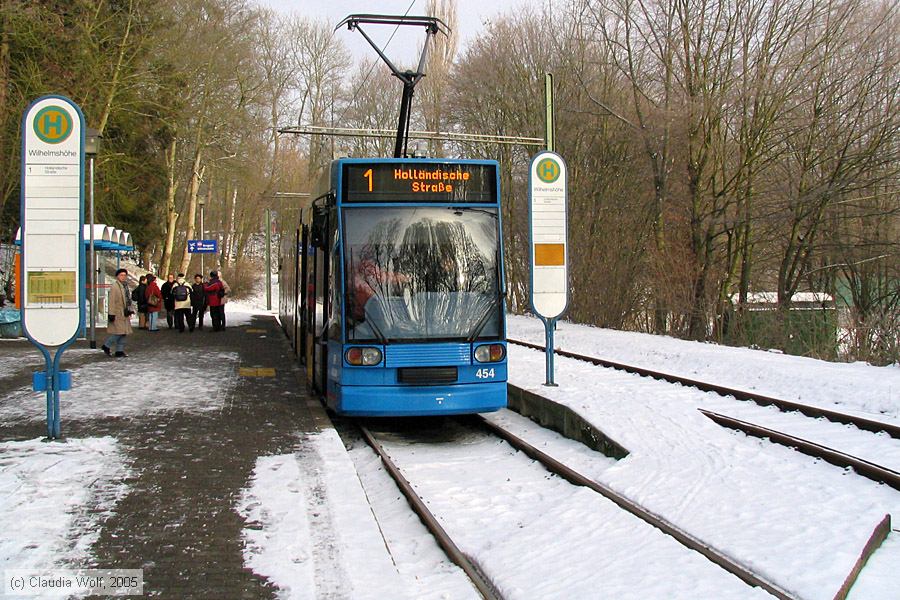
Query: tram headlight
{"type": "Point", "coordinates": [363, 356]}
{"type": "Point", "coordinates": [489, 353]}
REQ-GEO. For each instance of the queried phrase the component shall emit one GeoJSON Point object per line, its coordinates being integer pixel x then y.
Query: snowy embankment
{"type": "Point", "coordinates": [850, 387]}
{"type": "Point", "coordinates": [800, 522]}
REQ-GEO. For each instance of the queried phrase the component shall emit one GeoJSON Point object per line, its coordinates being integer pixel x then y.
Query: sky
{"type": "Point", "coordinates": [471, 15]}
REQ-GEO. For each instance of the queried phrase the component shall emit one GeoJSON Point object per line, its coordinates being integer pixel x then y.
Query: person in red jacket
{"type": "Point", "coordinates": [154, 302]}
{"type": "Point", "coordinates": [215, 292]}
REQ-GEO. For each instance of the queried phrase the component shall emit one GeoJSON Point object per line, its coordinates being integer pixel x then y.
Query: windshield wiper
{"type": "Point", "coordinates": [483, 321]}
{"type": "Point", "coordinates": [460, 209]}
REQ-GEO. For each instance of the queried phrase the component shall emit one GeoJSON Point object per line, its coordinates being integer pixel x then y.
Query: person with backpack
{"type": "Point", "coordinates": [198, 303]}
{"type": "Point", "coordinates": [181, 302]}
{"type": "Point", "coordinates": [139, 297]}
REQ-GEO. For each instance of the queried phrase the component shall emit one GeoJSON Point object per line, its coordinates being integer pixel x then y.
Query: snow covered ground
{"type": "Point", "coordinates": [799, 522]}
{"type": "Point", "coordinates": [311, 530]}
{"type": "Point", "coordinates": [53, 501]}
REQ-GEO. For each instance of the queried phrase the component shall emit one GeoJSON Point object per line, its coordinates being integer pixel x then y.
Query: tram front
{"type": "Point", "coordinates": [423, 310]}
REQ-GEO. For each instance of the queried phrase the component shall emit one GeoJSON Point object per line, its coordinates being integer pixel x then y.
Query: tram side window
{"type": "Point", "coordinates": [334, 285]}
{"type": "Point", "coordinates": [320, 242]}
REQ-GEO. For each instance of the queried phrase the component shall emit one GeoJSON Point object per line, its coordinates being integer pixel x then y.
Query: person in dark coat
{"type": "Point", "coordinates": [215, 291]}
{"type": "Point", "coordinates": [139, 296]}
{"type": "Point", "coordinates": [198, 303]}
{"type": "Point", "coordinates": [169, 300]}
{"type": "Point", "coordinates": [119, 311]}
{"type": "Point", "coordinates": [153, 308]}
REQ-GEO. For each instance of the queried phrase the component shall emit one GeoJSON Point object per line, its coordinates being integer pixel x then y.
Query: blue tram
{"type": "Point", "coordinates": [392, 287]}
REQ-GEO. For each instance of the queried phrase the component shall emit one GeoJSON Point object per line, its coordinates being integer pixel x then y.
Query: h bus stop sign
{"type": "Point", "coordinates": [51, 216]}
{"type": "Point", "coordinates": [547, 198]}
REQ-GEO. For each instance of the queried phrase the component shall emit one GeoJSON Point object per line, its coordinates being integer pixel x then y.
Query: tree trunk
{"type": "Point", "coordinates": [113, 86]}
{"type": "Point", "coordinates": [228, 226]}
{"type": "Point", "coordinates": [171, 215]}
{"type": "Point", "coordinates": [196, 177]}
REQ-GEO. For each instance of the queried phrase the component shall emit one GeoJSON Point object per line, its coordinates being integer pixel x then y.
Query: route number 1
{"type": "Point", "coordinates": [368, 175]}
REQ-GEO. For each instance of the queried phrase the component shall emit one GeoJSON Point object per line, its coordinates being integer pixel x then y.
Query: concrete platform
{"type": "Point", "coordinates": [194, 417]}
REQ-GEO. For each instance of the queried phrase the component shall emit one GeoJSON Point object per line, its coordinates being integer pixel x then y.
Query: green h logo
{"type": "Point", "coordinates": [53, 124]}
{"type": "Point", "coordinates": [548, 170]}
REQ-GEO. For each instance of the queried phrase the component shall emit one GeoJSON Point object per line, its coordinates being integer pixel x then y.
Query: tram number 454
{"type": "Point", "coordinates": [484, 373]}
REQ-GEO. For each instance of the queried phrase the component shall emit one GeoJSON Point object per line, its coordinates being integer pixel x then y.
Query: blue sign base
{"type": "Point", "coordinates": [39, 381]}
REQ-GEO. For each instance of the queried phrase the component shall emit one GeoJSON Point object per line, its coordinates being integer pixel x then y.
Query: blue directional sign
{"type": "Point", "coordinates": [203, 246]}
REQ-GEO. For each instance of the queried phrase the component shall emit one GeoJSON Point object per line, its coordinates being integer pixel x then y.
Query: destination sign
{"type": "Point", "coordinates": [419, 182]}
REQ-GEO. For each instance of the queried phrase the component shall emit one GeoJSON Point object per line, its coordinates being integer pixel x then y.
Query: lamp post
{"type": "Point", "coordinates": [92, 139]}
{"type": "Point", "coordinates": [201, 202]}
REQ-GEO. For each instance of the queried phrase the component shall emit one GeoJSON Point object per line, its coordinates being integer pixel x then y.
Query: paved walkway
{"type": "Point", "coordinates": [188, 467]}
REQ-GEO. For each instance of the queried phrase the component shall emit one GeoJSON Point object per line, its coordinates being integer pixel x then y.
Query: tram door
{"type": "Point", "coordinates": [319, 277]}
{"type": "Point", "coordinates": [302, 243]}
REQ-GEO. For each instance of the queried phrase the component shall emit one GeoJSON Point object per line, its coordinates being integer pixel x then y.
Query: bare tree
{"type": "Point", "coordinates": [433, 89]}
{"type": "Point", "coordinates": [320, 60]}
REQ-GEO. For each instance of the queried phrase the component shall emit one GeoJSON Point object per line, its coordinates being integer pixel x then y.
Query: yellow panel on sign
{"type": "Point", "coordinates": [52, 287]}
{"type": "Point", "coordinates": [549, 255]}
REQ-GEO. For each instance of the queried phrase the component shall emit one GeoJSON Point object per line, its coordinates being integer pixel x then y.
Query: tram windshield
{"type": "Point", "coordinates": [421, 273]}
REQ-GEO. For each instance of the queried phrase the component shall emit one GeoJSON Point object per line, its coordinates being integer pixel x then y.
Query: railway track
{"type": "Point", "coordinates": [783, 405]}
{"type": "Point", "coordinates": [873, 471]}
{"type": "Point", "coordinates": [482, 583]}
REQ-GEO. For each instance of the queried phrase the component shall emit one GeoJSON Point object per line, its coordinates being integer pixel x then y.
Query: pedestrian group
{"type": "Point", "coordinates": [185, 305]}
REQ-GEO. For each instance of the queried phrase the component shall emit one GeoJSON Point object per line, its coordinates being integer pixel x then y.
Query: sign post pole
{"type": "Point", "coordinates": [268, 259]}
{"type": "Point", "coordinates": [202, 204]}
{"type": "Point", "coordinates": [547, 198]}
{"type": "Point", "coordinates": [93, 266]}
{"type": "Point", "coordinates": [52, 216]}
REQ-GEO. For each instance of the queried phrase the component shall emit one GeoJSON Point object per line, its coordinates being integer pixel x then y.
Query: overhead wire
{"type": "Point", "coordinates": [374, 63]}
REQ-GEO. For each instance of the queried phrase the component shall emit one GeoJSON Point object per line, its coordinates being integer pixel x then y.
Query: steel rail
{"type": "Point", "coordinates": [783, 405]}
{"type": "Point", "coordinates": [684, 538]}
{"type": "Point", "coordinates": [840, 459]}
{"type": "Point", "coordinates": [446, 543]}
